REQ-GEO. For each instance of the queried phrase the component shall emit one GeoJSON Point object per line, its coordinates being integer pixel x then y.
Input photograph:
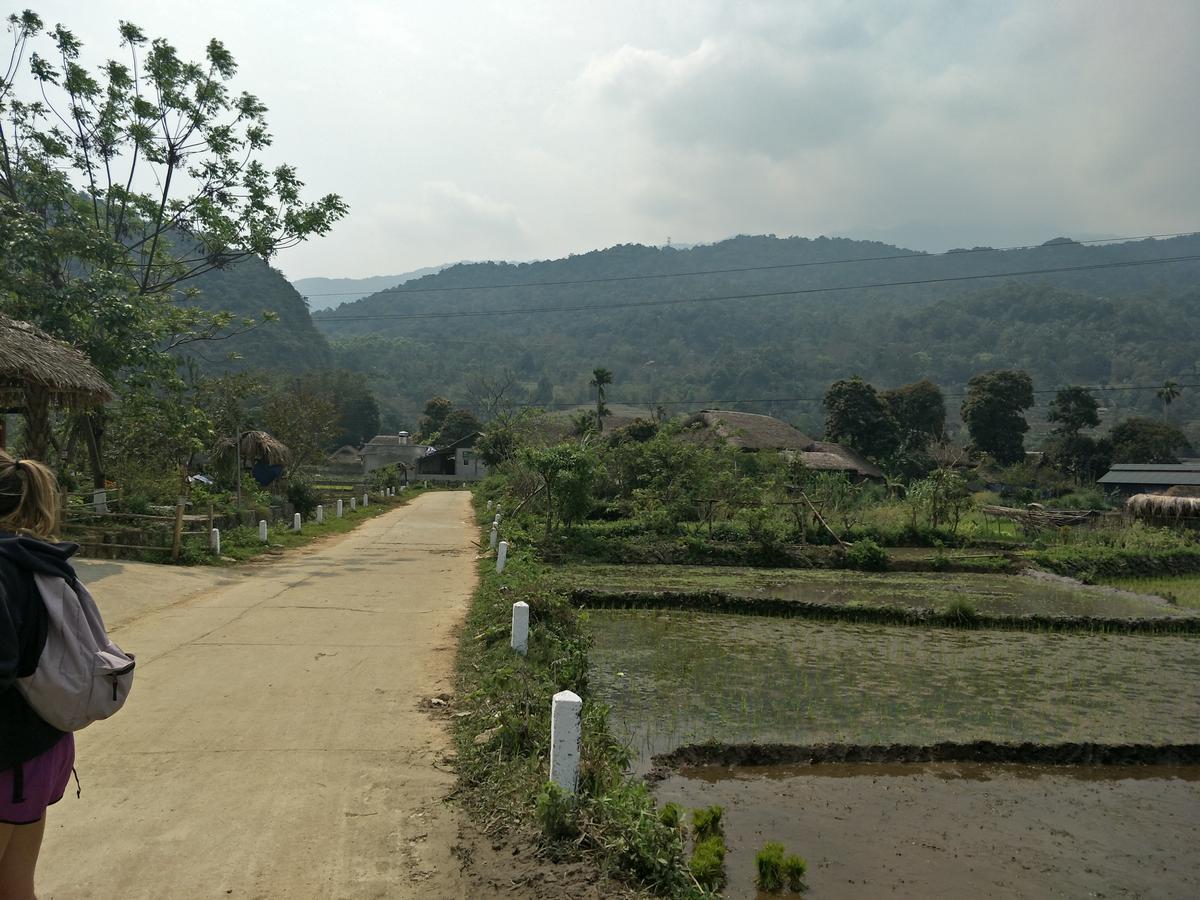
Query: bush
{"type": "Point", "coordinates": [769, 862]}
{"type": "Point", "coordinates": [961, 611]}
{"type": "Point", "coordinates": [302, 496]}
{"type": "Point", "coordinates": [867, 556]}
{"type": "Point", "coordinates": [671, 815]}
{"type": "Point", "coordinates": [556, 812]}
{"type": "Point", "coordinates": [708, 863]}
{"type": "Point", "coordinates": [794, 869]}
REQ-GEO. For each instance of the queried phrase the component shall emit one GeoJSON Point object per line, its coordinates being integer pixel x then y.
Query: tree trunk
{"type": "Point", "coordinates": [37, 423]}
{"type": "Point", "coordinates": [93, 432]}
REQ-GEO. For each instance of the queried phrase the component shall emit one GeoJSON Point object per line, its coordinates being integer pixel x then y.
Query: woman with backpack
{"type": "Point", "coordinates": [35, 757]}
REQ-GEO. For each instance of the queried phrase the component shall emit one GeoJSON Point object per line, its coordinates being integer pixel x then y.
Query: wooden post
{"type": "Point", "coordinates": [177, 535]}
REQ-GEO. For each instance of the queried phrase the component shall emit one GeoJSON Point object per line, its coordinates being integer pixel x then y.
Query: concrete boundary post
{"type": "Point", "coordinates": [296, 522]}
{"type": "Point", "coordinates": [320, 514]}
{"type": "Point", "coordinates": [494, 538]}
{"type": "Point", "coordinates": [339, 509]}
{"type": "Point", "coordinates": [353, 504]}
{"type": "Point", "coordinates": [262, 530]}
{"type": "Point", "coordinates": [366, 500]}
{"type": "Point", "coordinates": [520, 627]}
{"type": "Point", "coordinates": [565, 711]}
{"type": "Point", "coordinates": [214, 541]}
{"type": "Point", "coordinates": [501, 556]}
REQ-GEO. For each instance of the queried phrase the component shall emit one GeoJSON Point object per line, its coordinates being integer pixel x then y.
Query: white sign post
{"type": "Point", "coordinates": [339, 509]}
{"type": "Point", "coordinates": [520, 627]}
{"type": "Point", "coordinates": [262, 530]}
{"type": "Point", "coordinates": [296, 521]}
{"type": "Point", "coordinates": [320, 514]}
{"type": "Point", "coordinates": [565, 712]}
{"type": "Point", "coordinates": [501, 556]}
{"type": "Point", "coordinates": [214, 541]}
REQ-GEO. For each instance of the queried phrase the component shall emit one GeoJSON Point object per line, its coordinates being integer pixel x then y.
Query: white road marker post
{"type": "Point", "coordinates": [296, 522]}
{"type": "Point", "coordinates": [490, 505]}
{"type": "Point", "coordinates": [520, 627]}
{"type": "Point", "coordinates": [320, 514]}
{"type": "Point", "coordinates": [501, 556]}
{"type": "Point", "coordinates": [565, 711]}
{"type": "Point", "coordinates": [214, 541]}
{"type": "Point", "coordinates": [366, 500]}
{"type": "Point", "coordinates": [339, 509]}
{"type": "Point", "coordinates": [262, 530]}
{"type": "Point", "coordinates": [494, 538]}
{"type": "Point", "coordinates": [353, 504]}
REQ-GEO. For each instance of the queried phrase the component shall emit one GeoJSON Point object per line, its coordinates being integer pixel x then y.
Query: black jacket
{"type": "Point", "coordinates": [23, 733]}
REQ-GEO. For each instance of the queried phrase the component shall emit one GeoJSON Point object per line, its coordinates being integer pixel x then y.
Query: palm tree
{"type": "Point", "coordinates": [600, 378]}
{"type": "Point", "coordinates": [1167, 393]}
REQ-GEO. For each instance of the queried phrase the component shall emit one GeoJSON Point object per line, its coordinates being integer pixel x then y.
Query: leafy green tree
{"type": "Point", "coordinates": [436, 411]}
{"type": "Point", "coordinates": [994, 412]}
{"type": "Point", "coordinates": [507, 434]}
{"type": "Point", "coordinates": [117, 187]}
{"type": "Point", "coordinates": [920, 411]}
{"type": "Point", "coordinates": [567, 473]}
{"type": "Point", "coordinates": [1146, 441]}
{"type": "Point", "coordinates": [458, 424]}
{"type": "Point", "coordinates": [858, 416]}
{"type": "Point", "coordinates": [1073, 409]}
{"type": "Point", "coordinates": [600, 379]}
{"type": "Point", "coordinates": [305, 419]}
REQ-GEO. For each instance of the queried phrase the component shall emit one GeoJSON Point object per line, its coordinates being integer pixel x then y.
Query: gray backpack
{"type": "Point", "coordinates": [81, 676]}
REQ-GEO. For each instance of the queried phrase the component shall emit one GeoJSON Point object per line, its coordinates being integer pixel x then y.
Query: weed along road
{"type": "Point", "coordinates": [274, 744]}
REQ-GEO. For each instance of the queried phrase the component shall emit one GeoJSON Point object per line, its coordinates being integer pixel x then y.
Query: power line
{"type": "Point", "coordinates": [756, 296]}
{"type": "Point", "coordinates": [739, 269]}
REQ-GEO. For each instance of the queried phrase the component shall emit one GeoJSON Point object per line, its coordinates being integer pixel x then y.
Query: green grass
{"type": "Point", "coordinates": [1183, 589]}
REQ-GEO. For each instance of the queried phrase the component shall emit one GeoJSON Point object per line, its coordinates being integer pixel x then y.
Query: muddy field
{"type": "Point", "coordinates": [676, 678]}
{"type": "Point", "coordinates": [961, 830]}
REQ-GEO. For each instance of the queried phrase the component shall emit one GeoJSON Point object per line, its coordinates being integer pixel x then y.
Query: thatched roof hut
{"type": "Point", "coordinates": [825, 456]}
{"type": "Point", "coordinates": [37, 370]}
{"type": "Point", "coordinates": [257, 446]}
{"type": "Point", "coordinates": [749, 431]}
{"type": "Point", "coordinates": [1164, 508]}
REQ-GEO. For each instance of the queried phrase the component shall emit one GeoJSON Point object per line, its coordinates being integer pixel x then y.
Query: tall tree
{"type": "Point", "coordinates": [436, 411]}
{"type": "Point", "coordinates": [994, 412]}
{"type": "Point", "coordinates": [600, 379]}
{"type": "Point", "coordinates": [858, 416]}
{"type": "Point", "coordinates": [1146, 441]}
{"type": "Point", "coordinates": [117, 187]}
{"type": "Point", "coordinates": [920, 411]}
{"type": "Point", "coordinates": [1072, 410]}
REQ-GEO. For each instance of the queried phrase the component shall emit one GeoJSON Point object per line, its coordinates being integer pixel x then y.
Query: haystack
{"type": "Point", "coordinates": [36, 371]}
{"type": "Point", "coordinates": [1163, 507]}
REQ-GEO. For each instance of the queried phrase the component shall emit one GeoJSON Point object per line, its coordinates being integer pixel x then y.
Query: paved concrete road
{"type": "Point", "coordinates": [273, 745]}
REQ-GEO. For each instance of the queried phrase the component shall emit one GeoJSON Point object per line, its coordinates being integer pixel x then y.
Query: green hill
{"type": "Point", "coordinates": [1105, 320]}
{"type": "Point", "coordinates": [247, 288]}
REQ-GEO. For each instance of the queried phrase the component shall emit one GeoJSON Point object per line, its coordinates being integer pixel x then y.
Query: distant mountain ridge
{"type": "Point", "coordinates": [325, 293]}
{"type": "Point", "coordinates": [821, 309]}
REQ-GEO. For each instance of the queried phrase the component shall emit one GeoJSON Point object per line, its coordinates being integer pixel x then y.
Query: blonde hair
{"type": "Point", "coordinates": [29, 497]}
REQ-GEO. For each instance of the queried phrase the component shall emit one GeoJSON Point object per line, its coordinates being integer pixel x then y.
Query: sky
{"type": "Point", "coordinates": [524, 129]}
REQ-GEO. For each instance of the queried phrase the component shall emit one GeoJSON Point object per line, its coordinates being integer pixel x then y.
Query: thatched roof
{"type": "Point", "coordinates": [257, 445]}
{"type": "Point", "coordinates": [31, 358]}
{"type": "Point", "coordinates": [1163, 506]}
{"type": "Point", "coordinates": [749, 431]}
{"type": "Point", "coordinates": [824, 456]}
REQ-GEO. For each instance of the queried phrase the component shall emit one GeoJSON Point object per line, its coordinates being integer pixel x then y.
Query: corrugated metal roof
{"type": "Point", "coordinates": [1151, 475]}
{"type": "Point", "coordinates": [1155, 467]}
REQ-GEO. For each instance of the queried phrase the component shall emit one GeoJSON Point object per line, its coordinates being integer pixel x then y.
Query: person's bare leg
{"type": "Point", "coordinates": [18, 859]}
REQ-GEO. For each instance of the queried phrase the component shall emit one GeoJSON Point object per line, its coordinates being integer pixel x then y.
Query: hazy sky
{"type": "Point", "coordinates": [522, 130]}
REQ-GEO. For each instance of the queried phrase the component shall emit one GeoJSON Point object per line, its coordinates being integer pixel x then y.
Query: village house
{"type": "Point", "coordinates": [454, 462]}
{"type": "Point", "coordinates": [389, 450]}
{"type": "Point", "coordinates": [750, 432]}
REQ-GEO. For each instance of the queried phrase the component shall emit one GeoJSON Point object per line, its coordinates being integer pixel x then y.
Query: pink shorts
{"type": "Point", "coordinates": [43, 780]}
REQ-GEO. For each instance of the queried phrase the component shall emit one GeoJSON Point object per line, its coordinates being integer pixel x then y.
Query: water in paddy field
{"type": "Point", "coordinates": [675, 678]}
{"type": "Point", "coordinates": [960, 830]}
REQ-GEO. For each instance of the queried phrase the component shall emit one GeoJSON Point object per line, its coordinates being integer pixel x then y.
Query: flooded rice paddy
{"type": "Point", "coordinates": [675, 678]}
{"type": "Point", "coordinates": [989, 594]}
{"type": "Point", "coordinates": [955, 830]}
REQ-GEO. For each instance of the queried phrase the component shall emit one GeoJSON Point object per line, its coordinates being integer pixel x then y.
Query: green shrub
{"type": "Point", "coordinates": [302, 496]}
{"type": "Point", "coordinates": [867, 556]}
{"type": "Point", "coordinates": [708, 863]}
{"type": "Point", "coordinates": [556, 812]}
{"type": "Point", "coordinates": [769, 862]}
{"type": "Point", "coordinates": [706, 822]}
{"type": "Point", "coordinates": [794, 869]}
{"type": "Point", "coordinates": [961, 611]}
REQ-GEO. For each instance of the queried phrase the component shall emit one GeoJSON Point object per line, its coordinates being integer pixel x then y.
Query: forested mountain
{"type": "Point", "coordinates": [1104, 321]}
{"type": "Point", "coordinates": [325, 293]}
{"type": "Point", "coordinates": [247, 288]}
